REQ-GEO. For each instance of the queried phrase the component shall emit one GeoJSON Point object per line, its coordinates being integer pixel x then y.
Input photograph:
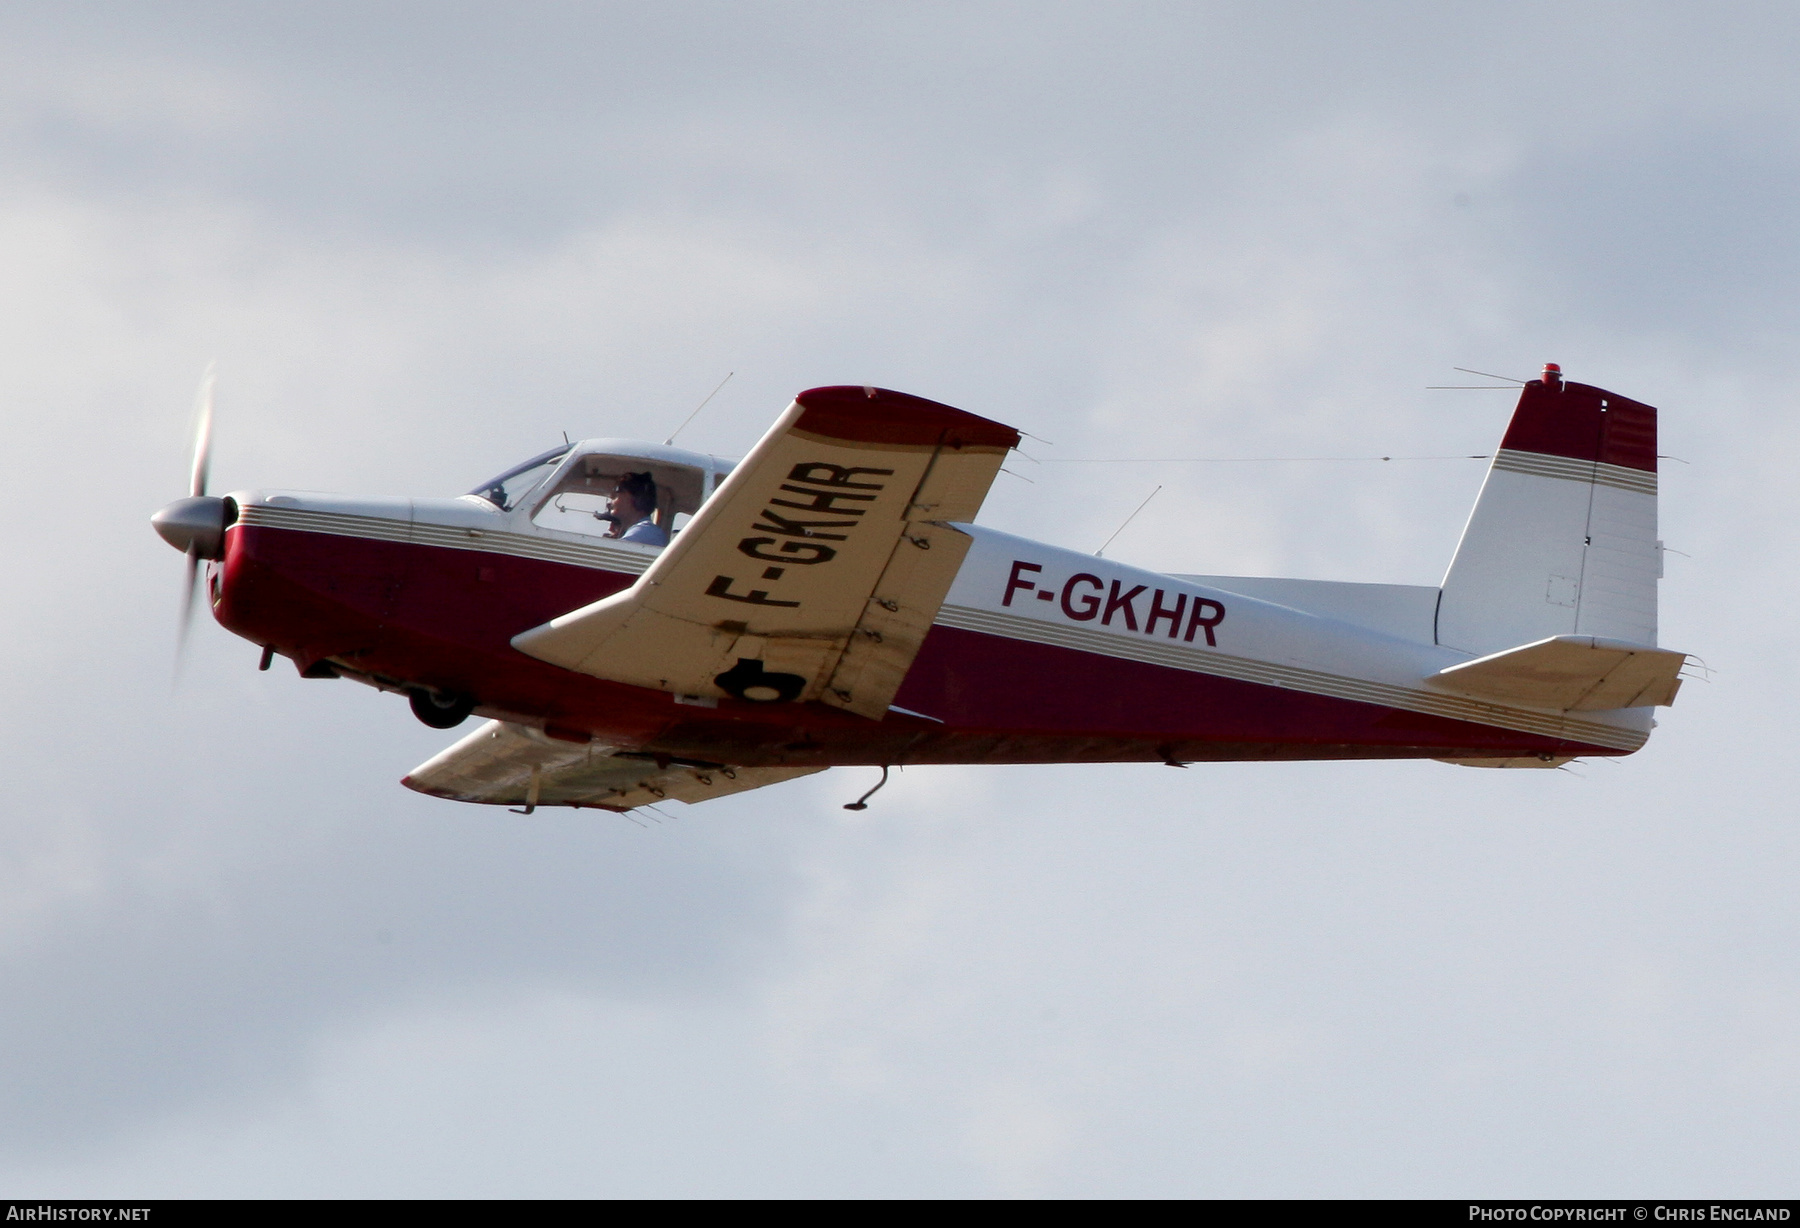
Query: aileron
{"type": "Point", "coordinates": [507, 764]}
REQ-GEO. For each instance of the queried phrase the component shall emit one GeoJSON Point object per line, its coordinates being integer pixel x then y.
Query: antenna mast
{"type": "Point", "coordinates": [697, 409]}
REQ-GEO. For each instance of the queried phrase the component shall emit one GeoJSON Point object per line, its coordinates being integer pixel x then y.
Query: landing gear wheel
{"type": "Point", "coordinates": [441, 711]}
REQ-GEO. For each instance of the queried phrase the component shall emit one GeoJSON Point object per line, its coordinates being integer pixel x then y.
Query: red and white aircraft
{"type": "Point", "coordinates": [827, 601]}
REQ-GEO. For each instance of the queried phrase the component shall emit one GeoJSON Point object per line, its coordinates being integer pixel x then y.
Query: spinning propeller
{"type": "Point", "coordinates": [195, 525]}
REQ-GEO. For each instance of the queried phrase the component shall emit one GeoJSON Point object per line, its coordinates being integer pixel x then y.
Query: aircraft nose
{"type": "Point", "coordinates": [195, 524]}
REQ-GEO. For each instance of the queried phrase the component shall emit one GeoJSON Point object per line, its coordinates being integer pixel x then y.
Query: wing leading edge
{"type": "Point", "coordinates": [814, 572]}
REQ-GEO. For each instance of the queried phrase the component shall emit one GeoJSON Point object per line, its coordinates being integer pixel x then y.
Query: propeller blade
{"type": "Point", "coordinates": [203, 415]}
{"type": "Point", "coordinates": [186, 624]}
{"type": "Point", "coordinates": [198, 475]}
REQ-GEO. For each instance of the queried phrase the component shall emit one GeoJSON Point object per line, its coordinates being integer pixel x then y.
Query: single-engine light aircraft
{"type": "Point", "coordinates": [638, 622]}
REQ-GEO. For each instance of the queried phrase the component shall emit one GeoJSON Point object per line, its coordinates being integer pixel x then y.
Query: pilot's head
{"type": "Point", "coordinates": [633, 499]}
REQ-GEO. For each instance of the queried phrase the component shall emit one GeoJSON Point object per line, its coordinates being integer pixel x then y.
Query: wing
{"type": "Point", "coordinates": [814, 572]}
{"type": "Point", "coordinates": [503, 764]}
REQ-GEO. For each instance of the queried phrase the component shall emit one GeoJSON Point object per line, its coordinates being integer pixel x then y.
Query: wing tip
{"type": "Point", "coordinates": [866, 414]}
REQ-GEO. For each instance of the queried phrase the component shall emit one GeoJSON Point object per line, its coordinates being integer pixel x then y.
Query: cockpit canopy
{"type": "Point", "coordinates": [569, 488]}
{"type": "Point", "coordinates": [505, 491]}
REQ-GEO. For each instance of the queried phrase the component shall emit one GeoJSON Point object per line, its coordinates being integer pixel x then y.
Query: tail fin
{"type": "Point", "coordinates": [1562, 540]}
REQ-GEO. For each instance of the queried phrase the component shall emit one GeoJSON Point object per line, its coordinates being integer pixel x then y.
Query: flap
{"type": "Point", "coordinates": [829, 533]}
{"type": "Point", "coordinates": [1570, 673]}
{"type": "Point", "coordinates": [503, 764]}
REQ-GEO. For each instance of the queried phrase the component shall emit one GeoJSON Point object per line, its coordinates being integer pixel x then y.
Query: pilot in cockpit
{"type": "Point", "coordinates": [632, 507]}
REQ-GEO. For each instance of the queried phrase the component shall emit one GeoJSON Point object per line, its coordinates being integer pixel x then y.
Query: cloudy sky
{"type": "Point", "coordinates": [422, 240]}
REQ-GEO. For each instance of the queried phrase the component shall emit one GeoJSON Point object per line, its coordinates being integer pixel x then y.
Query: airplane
{"type": "Point", "coordinates": [829, 601]}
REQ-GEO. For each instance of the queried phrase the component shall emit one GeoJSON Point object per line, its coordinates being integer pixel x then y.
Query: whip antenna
{"type": "Point", "coordinates": [697, 409]}
{"type": "Point", "coordinates": [1128, 520]}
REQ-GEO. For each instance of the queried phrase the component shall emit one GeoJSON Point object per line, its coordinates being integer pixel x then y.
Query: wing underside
{"type": "Point", "coordinates": [505, 764]}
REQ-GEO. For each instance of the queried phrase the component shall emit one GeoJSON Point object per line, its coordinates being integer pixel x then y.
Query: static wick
{"type": "Point", "coordinates": [1140, 507]}
{"type": "Point", "coordinates": [709, 396]}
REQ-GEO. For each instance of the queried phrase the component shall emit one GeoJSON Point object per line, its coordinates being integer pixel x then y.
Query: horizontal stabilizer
{"type": "Point", "coordinates": [504, 764]}
{"type": "Point", "coordinates": [1570, 673]}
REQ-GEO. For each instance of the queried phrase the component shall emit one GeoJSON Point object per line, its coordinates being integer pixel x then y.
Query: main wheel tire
{"type": "Point", "coordinates": [441, 710]}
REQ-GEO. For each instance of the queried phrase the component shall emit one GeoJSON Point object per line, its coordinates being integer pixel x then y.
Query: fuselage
{"type": "Point", "coordinates": [1038, 654]}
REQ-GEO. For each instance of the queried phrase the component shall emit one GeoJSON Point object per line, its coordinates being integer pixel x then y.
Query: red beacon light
{"type": "Point", "coordinates": [1553, 376]}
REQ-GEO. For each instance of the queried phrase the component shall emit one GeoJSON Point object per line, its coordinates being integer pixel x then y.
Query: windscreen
{"type": "Point", "coordinates": [505, 491]}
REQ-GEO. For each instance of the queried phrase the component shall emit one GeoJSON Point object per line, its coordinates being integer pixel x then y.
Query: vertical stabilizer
{"type": "Point", "coordinates": [1562, 540]}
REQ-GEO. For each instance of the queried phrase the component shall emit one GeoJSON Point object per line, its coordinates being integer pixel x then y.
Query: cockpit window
{"type": "Point", "coordinates": [580, 499]}
{"type": "Point", "coordinates": [505, 491]}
